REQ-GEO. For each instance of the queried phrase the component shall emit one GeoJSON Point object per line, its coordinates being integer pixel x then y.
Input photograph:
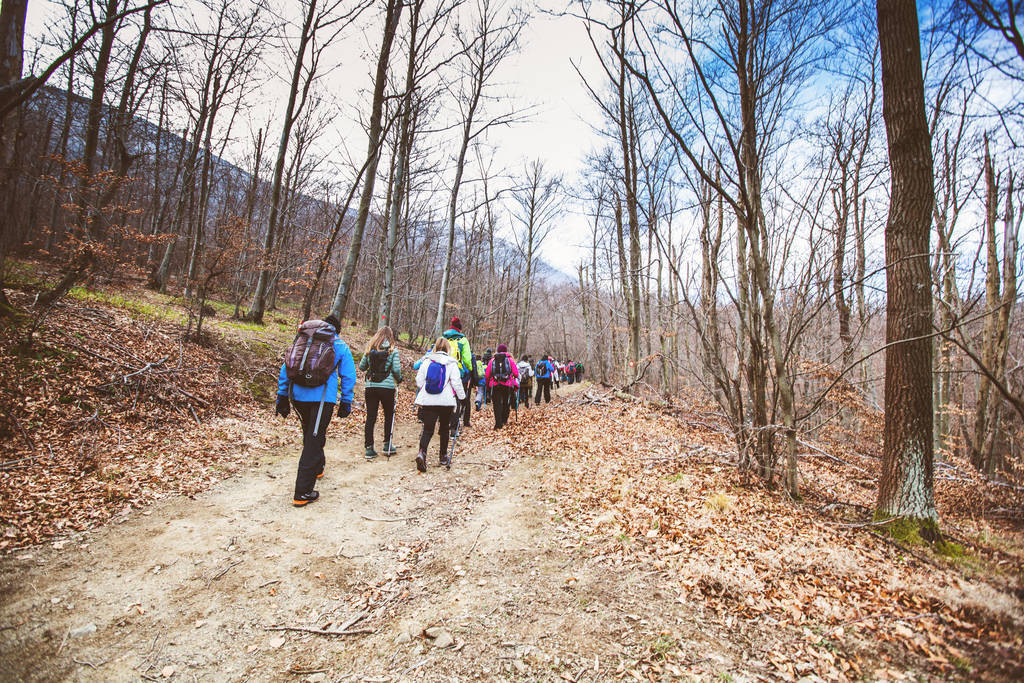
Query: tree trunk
{"type": "Point", "coordinates": [259, 299]}
{"type": "Point", "coordinates": [394, 11]}
{"type": "Point", "coordinates": [906, 485]}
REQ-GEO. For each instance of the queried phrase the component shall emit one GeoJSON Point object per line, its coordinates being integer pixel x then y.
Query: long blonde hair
{"type": "Point", "coordinates": [378, 339]}
{"type": "Point", "coordinates": [442, 345]}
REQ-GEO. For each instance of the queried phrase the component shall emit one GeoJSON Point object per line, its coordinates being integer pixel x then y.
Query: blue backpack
{"type": "Point", "coordinates": [436, 378]}
{"type": "Point", "coordinates": [543, 369]}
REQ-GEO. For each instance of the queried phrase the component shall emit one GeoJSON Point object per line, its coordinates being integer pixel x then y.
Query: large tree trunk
{"type": "Point", "coordinates": [341, 297]}
{"type": "Point", "coordinates": [259, 299]}
{"type": "Point", "coordinates": [906, 486]}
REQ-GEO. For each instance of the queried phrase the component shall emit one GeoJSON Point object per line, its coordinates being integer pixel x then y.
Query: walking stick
{"type": "Point", "coordinates": [391, 433]}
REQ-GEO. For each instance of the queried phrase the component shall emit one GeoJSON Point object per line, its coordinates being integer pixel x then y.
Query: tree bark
{"type": "Point", "coordinates": [341, 297]}
{"type": "Point", "coordinates": [906, 485]}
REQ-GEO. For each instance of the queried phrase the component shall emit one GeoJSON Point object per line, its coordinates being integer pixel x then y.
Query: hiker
{"type": "Point", "coordinates": [503, 378]}
{"type": "Point", "coordinates": [543, 372]}
{"type": "Point", "coordinates": [383, 371]}
{"type": "Point", "coordinates": [525, 380]}
{"type": "Point", "coordinates": [579, 372]}
{"type": "Point", "coordinates": [488, 355]}
{"type": "Point", "coordinates": [556, 372]}
{"type": "Point", "coordinates": [317, 372]}
{"type": "Point", "coordinates": [570, 372]}
{"type": "Point", "coordinates": [459, 348]}
{"type": "Point", "coordinates": [439, 391]}
{"type": "Point", "coordinates": [481, 383]}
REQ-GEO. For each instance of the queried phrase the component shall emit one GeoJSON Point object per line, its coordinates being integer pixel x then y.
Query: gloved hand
{"type": "Point", "coordinates": [283, 407]}
{"type": "Point", "coordinates": [344, 409]}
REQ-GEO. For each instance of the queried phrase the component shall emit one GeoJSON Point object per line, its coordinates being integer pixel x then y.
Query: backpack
{"type": "Point", "coordinates": [379, 365]}
{"type": "Point", "coordinates": [310, 359]}
{"type": "Point", "coordinates": [437, 377]}
{"type": "Point", "coordinates": [543, 369]}
{"type": "Point", "coordinates": [460, 345]}
{"type": "Point", "coordinates": [501, 370]}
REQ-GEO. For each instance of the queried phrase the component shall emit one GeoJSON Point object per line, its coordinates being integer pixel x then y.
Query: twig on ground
{"type": "Point", "coordinates": [20, 462]}
{"type": "Point", "coordinates": [24, 434]}
{"type": "Point", "coordinates": [414, 666]}
{"type": "Point", "coordinates": [320, 631]}
{"type": "Point", "coordinates": [473, 547]}
{"type": "Point", "coordinates": [353, 621]}
{"type": "Point", "coordinates": [222, 572]}
{"type": "Point", "coordinates": [379, 519]}
{"type": "Point", "coordinates": [89, 664]}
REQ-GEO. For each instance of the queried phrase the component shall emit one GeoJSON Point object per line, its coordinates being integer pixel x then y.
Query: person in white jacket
{"type": "Point", "coordinates": [440, 388]}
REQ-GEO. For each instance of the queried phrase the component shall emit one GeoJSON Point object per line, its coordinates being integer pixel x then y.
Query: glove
{"type": "Point", "coordinates": [344, 409]}
{"type": "Point", "coordinates": [283, 407]}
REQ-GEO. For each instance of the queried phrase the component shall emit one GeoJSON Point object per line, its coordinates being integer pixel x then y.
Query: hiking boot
{"type": "Point", "coordinates": [370, 453]}
{"type": "Point", "coordinates": [389, 451]}
{"type": "Point", "coordinates": [320, 476]}
{"type": "Point", "coordinates": [305, 499]}
{"type": "Point", "coordinates": [421, 461]}
{"type": "Point", "coordinates": [446, 460]}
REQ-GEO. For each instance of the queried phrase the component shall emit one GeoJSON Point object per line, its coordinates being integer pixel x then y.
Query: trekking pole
{"type": "Point", "coordinates": [391, 434]}
{"type": "Point", "coordinates": [451, 451]}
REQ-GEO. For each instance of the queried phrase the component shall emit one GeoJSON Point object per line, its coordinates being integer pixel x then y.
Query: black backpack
{"type": "Point", "coordinates": [378, 365]}
{"type": "Point", "coordinates": [501, 371]}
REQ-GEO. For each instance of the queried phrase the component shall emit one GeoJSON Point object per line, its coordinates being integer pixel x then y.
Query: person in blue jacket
{"type": "Point", "coordinates": [307, 402]}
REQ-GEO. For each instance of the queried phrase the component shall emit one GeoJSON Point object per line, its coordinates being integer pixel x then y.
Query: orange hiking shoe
{"type": "Point", "coordinates": [305, 499]}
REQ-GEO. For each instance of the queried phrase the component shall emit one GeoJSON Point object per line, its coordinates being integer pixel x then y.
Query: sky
{"type": "Point", "coordinates": [540, 77]}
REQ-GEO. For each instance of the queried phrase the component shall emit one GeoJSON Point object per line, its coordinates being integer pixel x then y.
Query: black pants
{"type": "Point", "coordinates": [570, 378]}
{"type": "Point", "coordinates": [376, 397]}
{"type": "Point", "coordinates": [500, 396]}
{"type": "Point", "coordinates": [466, 404]}
{"type": "Point", "coordinates": [524, 395]}
{"type": "Point", "coordinates": [311, 462]}
{"type": "Point", "coordinates": [543, 386]}
{"type": "Point", "coordinates": [439, 417]}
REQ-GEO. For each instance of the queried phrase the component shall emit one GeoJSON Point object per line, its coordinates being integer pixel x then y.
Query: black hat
{"type": "Point", "coordinates": [333, 321]}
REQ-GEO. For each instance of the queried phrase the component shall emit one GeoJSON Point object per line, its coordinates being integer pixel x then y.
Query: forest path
{"type": "Point", "coordinates": [188, 588]}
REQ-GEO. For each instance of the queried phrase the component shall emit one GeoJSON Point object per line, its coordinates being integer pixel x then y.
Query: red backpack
{"type": "Point", "coordinates": [310, 359]}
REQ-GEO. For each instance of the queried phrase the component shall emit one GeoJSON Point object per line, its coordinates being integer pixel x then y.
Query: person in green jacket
{"type": "Point", "coordinates": [464, 357]}
{"type": "Point", "coordinates": [383, 371]}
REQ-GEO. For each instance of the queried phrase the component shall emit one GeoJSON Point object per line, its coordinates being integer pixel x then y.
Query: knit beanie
{"type": "Point", "coordinates": [456, 323]}
{"type": "Point", "coordinates": [502, 348]}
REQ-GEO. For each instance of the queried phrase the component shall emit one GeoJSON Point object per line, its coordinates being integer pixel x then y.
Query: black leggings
{"type": "Point", "coordinates": [436, 416]}
{"type": "Point", "coordinates": [501, 398]}
{"type": "Point", "coordinates": [378, 396]}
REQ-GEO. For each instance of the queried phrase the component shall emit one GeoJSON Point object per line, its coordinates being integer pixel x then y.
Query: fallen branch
{"type": "Point", "coordinates": [222, 572]}
{"type": "Point", "coordinates": [11, 464]}
{"type": "Point", "coordinates": [380, 519]}
{"type": "Point", "coordinates": [24, 434]}
{"type": "Point", "coordinates": [87, 663]}
{"type": "Point", "coordinates": [320, 631]}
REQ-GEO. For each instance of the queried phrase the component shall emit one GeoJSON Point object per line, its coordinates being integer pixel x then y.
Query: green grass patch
{"type": "Point", "coordinates": [143, 308]}
{"type": "Point", "coordinates": [662, 646]}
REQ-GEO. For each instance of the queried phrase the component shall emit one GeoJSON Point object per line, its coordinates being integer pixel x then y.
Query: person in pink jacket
{"type": "Point", "coordinates": [502, 376]}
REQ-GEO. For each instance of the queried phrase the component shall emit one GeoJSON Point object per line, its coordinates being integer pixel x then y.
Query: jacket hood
{"type": "Point", "coordinates": [452, 333]}
{"type": "Point", "coordinates": [440, 357]}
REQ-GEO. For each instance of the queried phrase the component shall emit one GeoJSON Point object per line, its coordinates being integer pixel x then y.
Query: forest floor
{"type": "Point", "coordinates": [596, 538]}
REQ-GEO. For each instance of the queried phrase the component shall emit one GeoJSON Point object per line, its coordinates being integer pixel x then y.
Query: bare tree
{"type": "Point", "coordinates": [492, 37]}
{"type": "Point", "coordinates": [392, 15]}
{"type": "Point", "coordinates": [538, 201]}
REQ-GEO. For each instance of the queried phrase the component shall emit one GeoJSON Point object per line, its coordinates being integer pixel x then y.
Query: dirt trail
{"type": "Point", "coordinates": [187, 588]}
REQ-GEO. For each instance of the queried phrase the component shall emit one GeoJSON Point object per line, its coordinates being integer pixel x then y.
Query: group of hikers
{"type": "Point", "coordinates": [318, 378]}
